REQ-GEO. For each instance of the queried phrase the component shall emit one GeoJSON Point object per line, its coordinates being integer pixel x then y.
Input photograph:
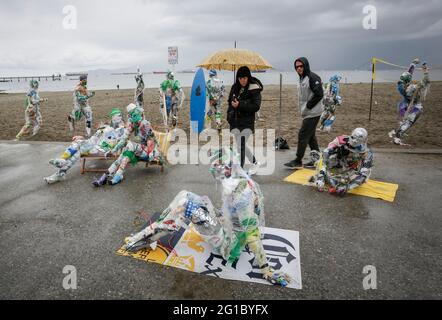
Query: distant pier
{"type": "Point", "coordinates": [53, 77]}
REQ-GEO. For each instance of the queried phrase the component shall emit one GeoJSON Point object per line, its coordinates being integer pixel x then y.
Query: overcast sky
{"type": "Point", "coordinates": [123, 34]}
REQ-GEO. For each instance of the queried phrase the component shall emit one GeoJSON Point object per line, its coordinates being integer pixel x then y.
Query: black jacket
{"type": "Point", "coordinates": [243, 117]}
{"type": "Point", "coordinates": [315, 83]}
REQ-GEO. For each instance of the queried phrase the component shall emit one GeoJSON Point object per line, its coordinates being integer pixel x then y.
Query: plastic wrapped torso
{"type": "Point", "coordinates": [142, 131]}
{"type": "Point", "coordinates": [215, 89]}
{"type": "Point", "coordinates": [81, 96]}
{"type": "Point", "coordinates": [341, 162]}
{"type": "Point", "coordinates": [104, 139]}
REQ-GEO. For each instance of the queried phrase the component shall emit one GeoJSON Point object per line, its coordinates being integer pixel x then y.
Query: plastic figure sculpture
{"type": "Point", "coordinates": [402, 85]}
{"type": "Point", "coordinates": [331, 100]}
{"type": "Point", "coordinates": [215, 93]}
{"type": "Point", "coordinates": [139, 95]}
{"type": "Point", "coordinates": [146, 149]}
{"type": "Point", "coordinates": [345, 164]}
{"type": "Point", "coordinates": [171, 99]}
{"type": "Point", "coordinates": [229, 229]}
{"type": "Point", "coordinates": [33, 118]}
{"type": "Point", "coordinates": [81, 106]}
{"type": "Point", "coordinates": [102, 142]}
{"type": "Point", "coordinates": [416, 93]}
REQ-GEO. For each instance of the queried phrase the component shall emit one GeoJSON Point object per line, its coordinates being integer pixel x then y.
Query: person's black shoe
{"type": "Point", "coordinates": [294, 164]}
{"type": "Point", "coordinates": [310, 164]}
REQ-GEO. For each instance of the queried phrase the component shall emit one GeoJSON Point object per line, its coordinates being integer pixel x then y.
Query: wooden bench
{"type": "Point", "coordinates": [164, 144]}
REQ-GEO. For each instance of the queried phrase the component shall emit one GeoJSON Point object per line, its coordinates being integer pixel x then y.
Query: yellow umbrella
{"type": "Point", "coordinates": [233, 59]}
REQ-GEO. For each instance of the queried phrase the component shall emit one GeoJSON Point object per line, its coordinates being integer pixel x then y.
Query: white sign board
{"type": "Point", "coordinates": [281, 247]}
{"type": "Point", "coordinates": [173, 55]}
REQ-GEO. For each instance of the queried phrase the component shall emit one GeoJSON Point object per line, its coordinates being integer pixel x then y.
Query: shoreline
{"type": "Point", "coordinates": [5, 92]}
{"type": "Point", "coordinates": [353, 112]}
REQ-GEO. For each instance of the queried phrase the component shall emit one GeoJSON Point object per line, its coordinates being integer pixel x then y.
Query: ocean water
{"type": "Point", "coordinates": [104, 81]}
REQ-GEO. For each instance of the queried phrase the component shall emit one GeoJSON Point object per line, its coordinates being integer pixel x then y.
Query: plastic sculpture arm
{"type": "Point", "coordinates": [425, 82]}
{"type": "Point", "coordinates": [34, 98]}
{"type": "Point", "coordinates": [363, 173]}
{"type": "Point", "coordinates": [123, 140]}
{"type": "Point", "coordinates": [181, 97]}
{"type": "Point", "coordinates": [81, 97]}
{"type": "Point", "coordinates": [412, 66]}
{"type": "Point", "coordinates": [420, 92]}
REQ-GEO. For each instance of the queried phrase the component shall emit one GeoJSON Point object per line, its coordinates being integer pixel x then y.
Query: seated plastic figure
{"type": "Point", "coordinates": [101, 143]}
{"type": "Point", "coordinates": [145, 149]}
{"type": "Point", "coordinates": [227, 230]}
{"type": "Point", "coordinates": [345, 164]}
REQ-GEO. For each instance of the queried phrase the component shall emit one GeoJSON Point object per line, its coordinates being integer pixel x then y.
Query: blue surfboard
{"type": "Point", "coordinates": [198, 102]}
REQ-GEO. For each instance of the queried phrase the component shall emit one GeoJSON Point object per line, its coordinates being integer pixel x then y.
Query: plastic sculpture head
{"type": "Point", "coordinates": [134, 113]}
{"type": "Point", "coordinates": [224, 164]}
{"type": "Point", "coordinates": [33, 84]}
{"type": "Point", "coordinates": [83, 79]}
{"type": "Point", "coordinates": [358, 140]}
{"type": "Point", "coordinates": [335, 78]}
{"type": "Point", "coordinates": [405, 77]}
{"type": "Point", "coordinates": [116, 117]}
{"type": "Point", "coordinates": [170, 75]}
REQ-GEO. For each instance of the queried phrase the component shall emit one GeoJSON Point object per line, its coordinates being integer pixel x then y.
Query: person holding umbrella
{"type": "Point", "coordinates": [310, 94]}
{"type": "Point", "coordinates": [244, 102]}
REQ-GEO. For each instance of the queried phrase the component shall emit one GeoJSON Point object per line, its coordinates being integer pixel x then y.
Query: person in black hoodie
{"type": "Point", "coordinates": [244, 102]}
{"type": "Point", "coordinates": [310, 94]}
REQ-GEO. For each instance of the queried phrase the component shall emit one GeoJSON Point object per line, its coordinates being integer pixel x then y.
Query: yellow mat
{"type": "Point", "coordinates": [373, 189]}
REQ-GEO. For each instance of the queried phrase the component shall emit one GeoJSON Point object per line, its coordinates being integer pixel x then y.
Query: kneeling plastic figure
{"type": "Point", "coordinates": [345, 164]}
{"type": "Point", "coordinates": [227, 230]}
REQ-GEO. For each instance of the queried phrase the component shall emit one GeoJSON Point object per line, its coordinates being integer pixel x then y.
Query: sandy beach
{"type": "Point", "coordinates": [353, 113]}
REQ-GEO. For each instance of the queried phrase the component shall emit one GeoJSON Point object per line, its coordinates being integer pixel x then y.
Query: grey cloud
{"type": "Point", "coordinates": [115, 34]}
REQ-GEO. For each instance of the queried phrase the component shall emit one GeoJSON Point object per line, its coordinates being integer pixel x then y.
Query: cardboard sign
{"type": "Point", "coordinates": [186, 250]}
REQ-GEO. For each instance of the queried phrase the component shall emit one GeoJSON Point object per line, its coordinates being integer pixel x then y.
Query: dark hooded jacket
{"type": "Point", "coordinates": [249, 99]}
{"type": "Point", "coordinates": [310, 92]}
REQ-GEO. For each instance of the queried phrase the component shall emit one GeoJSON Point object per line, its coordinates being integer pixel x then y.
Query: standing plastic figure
{"type": "Point", "coordinates": [81, 106]}
{"type": "Point", "coordinates": [229, 229]}
{"type": "Point", "coordinates": [103, 141]}
{"type": "Point", "coordinates": [146, 149]}
{"type": "Point", "coordinates": [215, 93]}
{"type": "Point", "coordinates": [171, 98]}
{"type": "Point", "coordinates": [33, 116]}
{"type": "Point", "coordinates": [331, 100]}
{"type": "Point", "coordinates": [139, 96]}
{"type": "Point", "coordinates": [416, 93]}
{"type": "Point", "coordinates": [345, 164]}
{"type": "Point", "coordinates": [402, 85]}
